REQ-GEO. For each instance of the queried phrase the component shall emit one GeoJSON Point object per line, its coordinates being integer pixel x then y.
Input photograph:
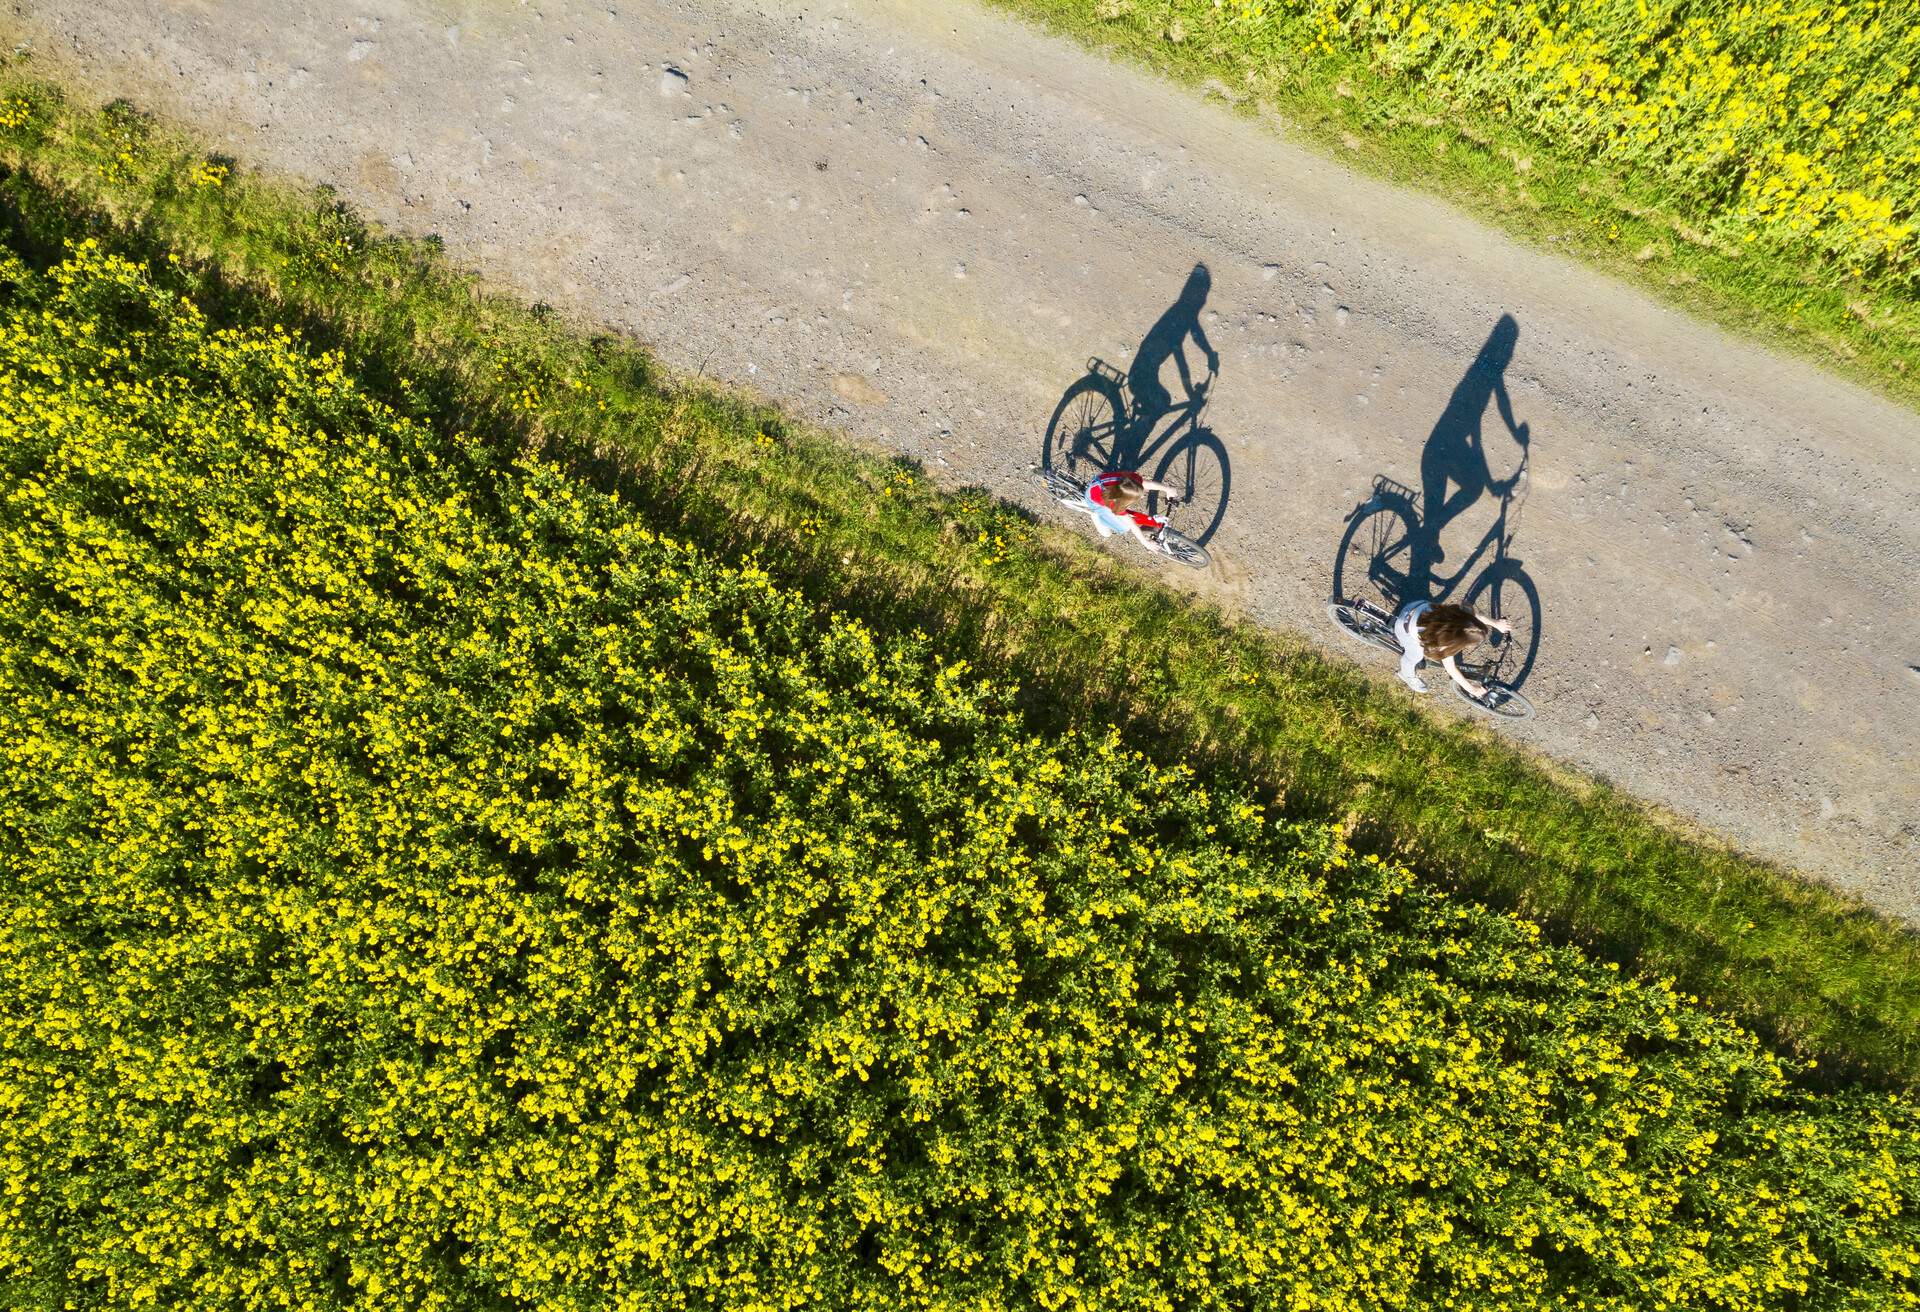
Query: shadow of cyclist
{"type": "Point", "coordinates": [1106, 421]}
{"type": "Point", "coordinates": [1388, 554]}
{"type": "Point", "coordinates": [1166, 340]}
{"type": "Point", "coordinates": [1454, 466]}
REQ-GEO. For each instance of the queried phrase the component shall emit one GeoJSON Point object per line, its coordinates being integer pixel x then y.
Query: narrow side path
{"type": "Point", "coordinates": [916, 221]}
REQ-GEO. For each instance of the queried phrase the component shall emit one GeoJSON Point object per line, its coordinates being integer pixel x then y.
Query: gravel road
{"type": "Point", "coordinates": [915, 221]}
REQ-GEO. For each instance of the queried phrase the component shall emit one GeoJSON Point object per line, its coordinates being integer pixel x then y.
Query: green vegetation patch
{"type": "Point", "coordinates": [427, 885]}
{"type": "Point", "coordinates": [1757, 161]}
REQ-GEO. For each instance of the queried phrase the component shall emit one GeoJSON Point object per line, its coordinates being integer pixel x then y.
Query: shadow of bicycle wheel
{"type": "Point", "coordinates": [1197, 465]}
{"type": "Point", "coordinates": [1084, 433]}
{"type": "Point", "coordinates": [1505, 592]}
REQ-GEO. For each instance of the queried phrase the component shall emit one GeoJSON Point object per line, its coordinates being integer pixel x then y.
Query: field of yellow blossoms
{"type": "Point", "coordinates": [1793, 123]}
{"type": "Point", "coordinates": [424, 886]}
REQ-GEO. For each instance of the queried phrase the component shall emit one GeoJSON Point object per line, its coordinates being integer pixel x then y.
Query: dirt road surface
{"type": "Point", "coordinates": [915, 221]}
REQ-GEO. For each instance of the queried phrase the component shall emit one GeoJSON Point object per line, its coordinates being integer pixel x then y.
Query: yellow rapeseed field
{"type": "Point", "coordinates": [1788, 122]}
{"type": "Point", "coordinates": [422, 885]}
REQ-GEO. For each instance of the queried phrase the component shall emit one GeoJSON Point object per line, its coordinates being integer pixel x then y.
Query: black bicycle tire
{"type": "Point", "coordinates": [1064, 455]}
{"type": "Point", "coordinates": [1509, 698]}
{"type": "Point", "coordinates": [1395, 583]}
{"type": "Point", "coordinates": [1365, 629]}
{"type": "Point", "coordinates": [1177, 546]}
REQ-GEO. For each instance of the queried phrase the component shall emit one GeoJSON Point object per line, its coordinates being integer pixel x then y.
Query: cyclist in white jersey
{"type": "Point", "coordinates": [1440, 632]}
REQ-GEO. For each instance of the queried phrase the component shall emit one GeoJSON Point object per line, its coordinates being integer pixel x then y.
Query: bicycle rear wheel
{"type": "Point", "coordinates": [1358, 624]}
{"type": "Point", "coordinates": [1377, 556]}
{"type": "Point", "coordinates": [1063, 487]}
{"type": "Point", "coordinates": [1183, 548]}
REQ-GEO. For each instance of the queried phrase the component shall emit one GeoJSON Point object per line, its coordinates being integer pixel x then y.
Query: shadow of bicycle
{"type": "Point", "coordinates": [1112, 420]}
{"type": "Point", "coordinates": [1392, 554]}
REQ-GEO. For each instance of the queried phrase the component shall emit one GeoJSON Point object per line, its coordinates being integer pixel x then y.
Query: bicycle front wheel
{"type": "Point", "coordinates": [1497, 700]}
{"type": "Point", "coordinates": [1356, 623]}
{"type": "Point", "coordinates": [1183, 548]}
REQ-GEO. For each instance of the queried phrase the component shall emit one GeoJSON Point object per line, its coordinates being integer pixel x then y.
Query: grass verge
{"type": "Point", "coordinates": [1629, 224]}
{"type": "Point", "coordinates": [1818, 975]}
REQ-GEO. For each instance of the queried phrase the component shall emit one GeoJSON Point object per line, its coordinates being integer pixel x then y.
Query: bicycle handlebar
{"type": "Point", "coordinates": [1505, 487]}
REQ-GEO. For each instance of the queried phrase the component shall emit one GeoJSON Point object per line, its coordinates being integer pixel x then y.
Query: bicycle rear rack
{"type": "Point", "coordinates": [1095, 365]}
{"type": "Point", "coordinates": [1387, 487]}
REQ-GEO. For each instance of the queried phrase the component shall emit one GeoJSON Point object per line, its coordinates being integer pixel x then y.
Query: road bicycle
{"type": "Point", "coordinates": [1371, 624]}
{"type": "Point", "coordinates": [1388, 555]}
{"type": "Point", "coordinates": [1167, 540]}
{"type": "Point", "coordinates": [1095, 429]}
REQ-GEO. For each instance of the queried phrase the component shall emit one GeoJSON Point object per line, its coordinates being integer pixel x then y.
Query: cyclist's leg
{"type": "Point", "coordinates": [1099, 513]}
{"type": "Point", "coordinates": [1409, 669]}
{"type": "Point", "coordinates": [1407, 634]}
{"type": "Point", "coordinates": [1146, 529]}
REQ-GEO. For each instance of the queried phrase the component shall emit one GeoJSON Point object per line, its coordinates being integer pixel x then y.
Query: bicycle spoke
{"type": "Point", "coordinates": [1356, 623]}
{"type": "Point", "coordinates": [1499, 699]}
{"type": "Point", "coordinates": [1376, 557]}
{"type": "Point", "coordinates": [1083, 433]}
{"type": "Point", "coordinates": [1182, 548]}
{"type": "Point", "coordinates": [1198, 471]}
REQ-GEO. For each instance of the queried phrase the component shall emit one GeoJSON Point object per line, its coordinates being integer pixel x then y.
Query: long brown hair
{"type": "Point", "coordinates": [1122, 492]}
{"type": "Point", "coordinates": [1447, 630]}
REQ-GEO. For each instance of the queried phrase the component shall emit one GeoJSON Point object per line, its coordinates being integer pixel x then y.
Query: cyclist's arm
{"type": "Point", "coordinates": [1467, 685]}
{"type": "Point", "coordinates": [1505, 626]}
{"type": "Point", "coordinates": [1184, 369]}
{"type": "Point", "coordinates": [1151, 486]}
{"type": "Point", "coordinates": [1200, 340]}
{"type": "Point", "coordinates": [1505, 405]}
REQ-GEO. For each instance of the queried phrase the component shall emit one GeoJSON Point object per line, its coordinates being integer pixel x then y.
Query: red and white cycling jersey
{"type": "Point", "coordinates": [1117, 520]}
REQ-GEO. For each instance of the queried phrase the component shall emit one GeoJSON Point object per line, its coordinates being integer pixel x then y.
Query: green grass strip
{"type": "Point", "coordinates": [1084, 638]}
{"type": "Point", "coordinates": [1754, 164]}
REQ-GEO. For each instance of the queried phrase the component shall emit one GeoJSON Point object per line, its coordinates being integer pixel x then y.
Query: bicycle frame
{"type": "Point", "coordinates": [1498, 535]}
{"type": "Point", "coordinates": [1186, 418]}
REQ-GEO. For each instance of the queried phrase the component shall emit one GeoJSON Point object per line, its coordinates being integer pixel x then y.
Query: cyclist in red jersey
{"type": "Point", "coordinates": [1114, 497]}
